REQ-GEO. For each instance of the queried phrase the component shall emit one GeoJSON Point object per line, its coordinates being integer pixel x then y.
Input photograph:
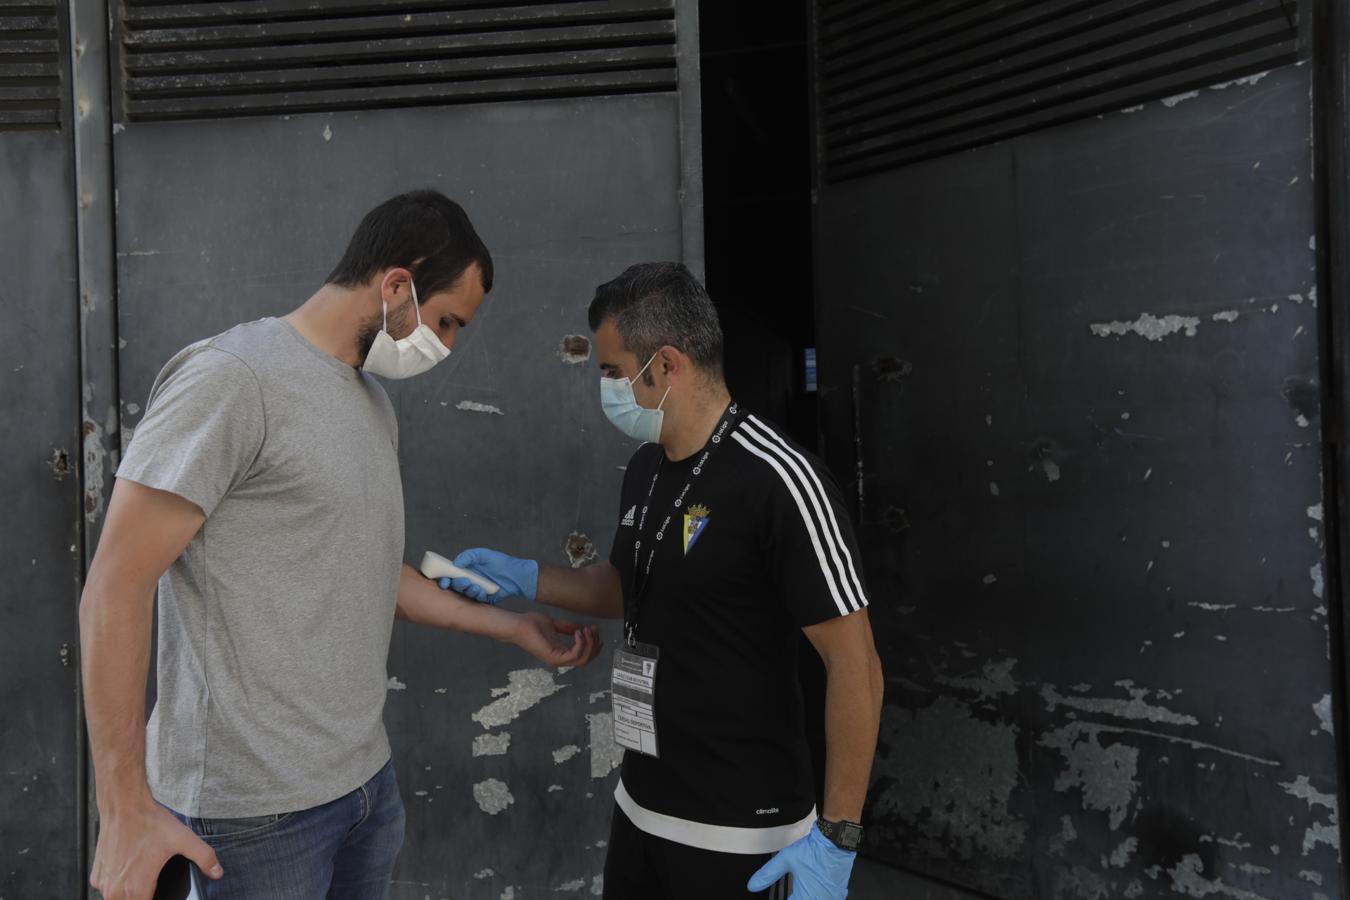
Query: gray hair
{"type": "Point", "coordinates": [658, 304]}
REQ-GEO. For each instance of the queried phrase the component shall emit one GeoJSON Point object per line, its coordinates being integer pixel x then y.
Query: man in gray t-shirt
{"type": "Point", "coordinates": [262, 492]}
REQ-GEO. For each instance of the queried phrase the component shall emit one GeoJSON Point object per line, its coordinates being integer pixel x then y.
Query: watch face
{"type": "Point", "coordinates": [844, 835]}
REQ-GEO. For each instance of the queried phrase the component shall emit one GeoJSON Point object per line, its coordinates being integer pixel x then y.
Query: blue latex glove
{"type": "Point", "coordinates": [819, 869]}
{"type": "Point", "coordinates": [515, 577]}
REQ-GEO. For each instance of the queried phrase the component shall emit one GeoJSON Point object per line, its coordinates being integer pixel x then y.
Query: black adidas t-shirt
{"type": "Point", "coordinates": [760, 548]}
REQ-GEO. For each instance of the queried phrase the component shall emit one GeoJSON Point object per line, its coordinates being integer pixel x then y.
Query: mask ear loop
{"type": "Point", "coordinates": [664, 396]}
{"type": "Point", "coordinates": [385, 303]}
{"type": "Point", "coordinates": [417, 306]}
{"type": "Point", "coordinates": [644, 368]}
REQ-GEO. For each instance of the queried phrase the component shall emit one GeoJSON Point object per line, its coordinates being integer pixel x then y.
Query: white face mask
{"type": "Point", "coordinates": [626, 414]}
{"type": "Point", "coordinates": [405, 357]}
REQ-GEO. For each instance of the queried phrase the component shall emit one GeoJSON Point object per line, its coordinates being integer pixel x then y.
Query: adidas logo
{"type": "Point", "coordinates": [629, 517]}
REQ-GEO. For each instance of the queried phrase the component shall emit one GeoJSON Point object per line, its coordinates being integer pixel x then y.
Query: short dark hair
{"type": "Point", "coordinates": [659, 304]}
{"type": "Point", "coordinates": [424, 232]}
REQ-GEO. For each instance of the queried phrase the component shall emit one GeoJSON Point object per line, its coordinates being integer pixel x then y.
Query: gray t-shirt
{"type": "Point", "coordinates": [274, 624]}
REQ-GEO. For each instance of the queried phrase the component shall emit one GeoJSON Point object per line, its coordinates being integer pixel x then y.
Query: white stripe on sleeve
{"type": "Point", "coordinates": [832, 543]}
{"type": "Point", "coordinates": [856, 582]}
{"type": "Point", "coordinates": [806, 518]}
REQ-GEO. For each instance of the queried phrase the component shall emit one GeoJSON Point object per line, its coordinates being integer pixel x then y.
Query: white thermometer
{"type": "Point", "coordinates": [435, 567]}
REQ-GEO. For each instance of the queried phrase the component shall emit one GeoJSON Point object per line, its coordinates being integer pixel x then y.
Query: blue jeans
{"type": "Point", "coordinates": [343, 850]}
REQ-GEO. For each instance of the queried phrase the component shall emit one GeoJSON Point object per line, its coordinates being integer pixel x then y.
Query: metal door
{"type": "Point", "coordinates": [41, 447]}
{"type": "Point", "coordinates": [250, 138]}
{"type": "Point", "coordinates": [1076, 376]}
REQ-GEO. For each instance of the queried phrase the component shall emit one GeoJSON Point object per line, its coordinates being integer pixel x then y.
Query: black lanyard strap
{"type": "Point", "coordinates": [641, 581]}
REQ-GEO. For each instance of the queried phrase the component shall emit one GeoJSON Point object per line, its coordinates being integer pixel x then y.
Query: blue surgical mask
{"type": "Point", "coordinates": [622, 409]}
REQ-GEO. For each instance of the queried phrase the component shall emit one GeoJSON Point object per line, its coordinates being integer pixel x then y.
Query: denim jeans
{"type": "Point", "coordinates": [343, 850]}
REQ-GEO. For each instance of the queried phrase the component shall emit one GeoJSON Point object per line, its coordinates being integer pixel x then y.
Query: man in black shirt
{"type": "Point", "coordinates": [731, 538]}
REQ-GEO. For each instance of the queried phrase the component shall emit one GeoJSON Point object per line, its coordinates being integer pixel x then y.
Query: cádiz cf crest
{"type": "Point", "coordinates": [694, 522]}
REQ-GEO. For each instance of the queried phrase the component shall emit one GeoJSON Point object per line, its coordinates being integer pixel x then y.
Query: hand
{"type": "Point", "coordinates": [134, 845]}
{"type": "Point", "coordinates": [515, 577]}
{"type": "Point", "coordinates": [819, 869]}
{"type": "Point", "coordinates": [543, 638]}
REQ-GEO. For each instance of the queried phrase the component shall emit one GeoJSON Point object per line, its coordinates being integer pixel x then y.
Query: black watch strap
{"type": "Point", "coordinates": [844, 835]}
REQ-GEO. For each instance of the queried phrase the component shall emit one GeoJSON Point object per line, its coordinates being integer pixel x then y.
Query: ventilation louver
{"type": "Point", "coordinates": [903, 80]}
{"type": "Point", "coordinates": [259, 57]}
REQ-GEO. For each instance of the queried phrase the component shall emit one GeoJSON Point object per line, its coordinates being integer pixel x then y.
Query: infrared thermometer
{"type": "Point", "coordinates": [435, 567]}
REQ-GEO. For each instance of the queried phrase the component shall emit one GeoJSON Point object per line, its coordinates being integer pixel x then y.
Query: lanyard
{"type": "Point", "coordinates": [643, 581]}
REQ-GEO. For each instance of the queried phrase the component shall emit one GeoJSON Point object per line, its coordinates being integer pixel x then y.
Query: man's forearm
{"type": "Point", "coordinates": [422, 601]}
{"type": "Point", "coordinates": [592, 591]}
{"type": "Point", "coordinates": [852, 719]}
{"type": "Point", "coordinates": [115, 626]}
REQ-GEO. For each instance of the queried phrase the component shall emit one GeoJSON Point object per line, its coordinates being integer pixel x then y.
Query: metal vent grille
{"type": "Point", "coordinates": [255, 57]}
{"type": "Point", "coordinates": [904, 80]}
{"type": "Point", "coordinates": [30, 65]}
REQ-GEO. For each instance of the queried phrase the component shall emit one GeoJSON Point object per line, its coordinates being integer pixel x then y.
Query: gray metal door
{"type": "Point", "coordinates": [249, 140]}
{"type": "Point", "coordinates": [1077, 376]}
{"type": "Point", "coordinates": [40, 450]}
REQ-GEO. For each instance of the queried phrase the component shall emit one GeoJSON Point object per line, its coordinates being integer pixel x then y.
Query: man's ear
{"type": "Point", "coordinates": [672, 362]}
{"type": "Point", "coordinates": [393, 283]}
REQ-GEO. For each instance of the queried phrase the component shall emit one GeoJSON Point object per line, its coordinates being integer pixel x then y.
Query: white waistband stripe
{"type": "Point", "coordinates": [720, 838]}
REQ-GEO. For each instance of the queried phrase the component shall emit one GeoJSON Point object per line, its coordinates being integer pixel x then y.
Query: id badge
{"type": "Point", "coordinates": [633, 689]}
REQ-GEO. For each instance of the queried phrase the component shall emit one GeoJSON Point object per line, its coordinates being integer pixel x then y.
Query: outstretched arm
{"type": "Point", "coordinates": [552, 641]}
{"type": "Point", "coordinates": [593, 591]}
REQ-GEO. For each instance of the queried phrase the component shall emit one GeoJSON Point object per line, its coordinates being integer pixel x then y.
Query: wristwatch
{"type": "Point", "coordinates": [844, 835]}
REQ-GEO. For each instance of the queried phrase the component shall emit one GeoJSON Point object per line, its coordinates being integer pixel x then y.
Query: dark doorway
{"type": "Point", "coordinates": [757, 195]}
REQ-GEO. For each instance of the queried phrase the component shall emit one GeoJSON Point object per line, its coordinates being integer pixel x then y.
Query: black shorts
{"type": "Point", "coordinates": [640, 866]}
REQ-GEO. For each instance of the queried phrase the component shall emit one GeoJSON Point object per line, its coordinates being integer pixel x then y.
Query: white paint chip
{"type": "Point", "coordinates": [474, 406]}
{"type": "Point", "coordinates": [492, 744]}
{"type": "Point", "coordinates": [327, 133]}
{"type": "Point", "coordinates": [395, 685]}
{"type": "Point", "coordinates": [990, 578]}
{"type": "Point", "coordinates": [1149, 326]}
{"type": "Point", "coordinates": [563, 754]}
{"type": "Point", "coordinates": [1228, 315]}
{"type": "Point", "coordinates": [1120, 858]}
{"type": "Point", "coordinates": [1051, 469]}
{"type": "Point", "coordinates": [492, 796]}
{"type": "Point", "coordinates": [1316, 573]}
{"type": "Point", "coordinates": [484, 873]}
{"type": "Point", "coordinates": [1172, 101]}
{"type": "Point", "coordinates": [525, 689]}
{"type": "Point", "coordinates": [1322, 709]}
{"type": "Point", "coordinates": [605, 753]}
{"type": "Point", "coordinates": [1248, 81]}
{"type": "Point", "coordinates": [993, 488]}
